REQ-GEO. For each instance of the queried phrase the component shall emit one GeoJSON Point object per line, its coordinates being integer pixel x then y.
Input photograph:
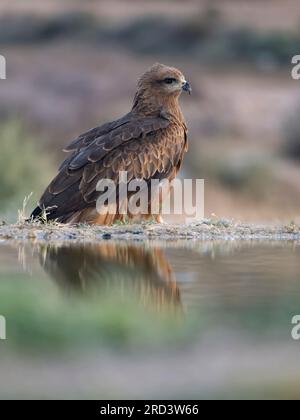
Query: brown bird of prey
{"type": "Point", "coordinates": [140, 270]}
{"type": "Point", "coordinates": [149, 143]}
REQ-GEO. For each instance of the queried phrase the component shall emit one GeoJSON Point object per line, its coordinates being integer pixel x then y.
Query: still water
{"type": "Point", "coordinates": [233, 300]}
{"type": "Point", "coordinates": [183, 274]}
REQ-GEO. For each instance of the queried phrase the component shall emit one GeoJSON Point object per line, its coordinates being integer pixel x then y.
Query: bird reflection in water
{"type": "Point", "coordinates": [114, 268]}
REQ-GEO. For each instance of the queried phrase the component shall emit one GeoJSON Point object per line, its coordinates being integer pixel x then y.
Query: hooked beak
{"type": "Point", "coordinates": [187, 87]}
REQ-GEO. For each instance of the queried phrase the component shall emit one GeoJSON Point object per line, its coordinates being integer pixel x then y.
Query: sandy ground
{"type": "Point", "coordinates": [204, 230]}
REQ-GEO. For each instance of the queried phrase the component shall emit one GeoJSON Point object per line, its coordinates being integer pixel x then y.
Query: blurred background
{"type": "Point", "coordinates": [72, 65]}
{"type": "Point", "coordinates": [153, 319]}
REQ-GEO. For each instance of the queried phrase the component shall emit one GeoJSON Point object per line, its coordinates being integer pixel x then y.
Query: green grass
{"type": "Point", "coordinates": [24, 168]}
{"type": "Point", "coordinates": [40, 317]}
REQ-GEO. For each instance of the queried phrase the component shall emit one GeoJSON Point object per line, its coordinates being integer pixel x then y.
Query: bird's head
{"type": "Point", "coordinates": [164, 81]}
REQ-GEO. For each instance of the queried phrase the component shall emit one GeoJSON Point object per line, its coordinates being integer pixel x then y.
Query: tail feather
{"type": "Point", "coordinates": [51, 214]}
{"type": "Point", "coordinates": [36, 213]}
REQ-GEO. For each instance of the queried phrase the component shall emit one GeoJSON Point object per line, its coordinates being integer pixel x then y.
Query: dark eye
{"type": "Point", "coordinates": [169, 80]}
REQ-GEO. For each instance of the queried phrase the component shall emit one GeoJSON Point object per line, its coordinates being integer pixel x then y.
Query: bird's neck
{"type": "Point", "coordinates": [151, 106]}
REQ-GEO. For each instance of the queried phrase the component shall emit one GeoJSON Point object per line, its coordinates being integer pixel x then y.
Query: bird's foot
{"type": "Point", "coordinates": [159, 219]}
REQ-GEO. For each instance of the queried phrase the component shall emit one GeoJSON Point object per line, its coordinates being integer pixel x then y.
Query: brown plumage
{"type": "Point", "coordinates": [149, 143]}
{"type": "Point", "coordinates": [139, 270]}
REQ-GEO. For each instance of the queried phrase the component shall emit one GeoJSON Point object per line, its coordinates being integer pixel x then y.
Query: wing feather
{"type": "Point", "coordinates": [144, 147]}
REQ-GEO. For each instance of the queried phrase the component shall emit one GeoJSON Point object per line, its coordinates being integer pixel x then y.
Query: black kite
{"type": "Point", "coordinates": [149, 143]}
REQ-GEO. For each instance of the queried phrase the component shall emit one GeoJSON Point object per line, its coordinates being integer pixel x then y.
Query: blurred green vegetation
{"type": "Point", "coordinates": [208, 39]}
{"type": "Point", "coordinates": [239, 297]}
{"type": "Point", "coordinates": [24, 168]}
{"type": "Point", "coordinates": [28, 28]}
{"type": "Point", "coordinates": [246, 175]}
{"type": "Point", "coordinates": [204, 36]}
{"type": "Point", "coordinates": [40, 318]}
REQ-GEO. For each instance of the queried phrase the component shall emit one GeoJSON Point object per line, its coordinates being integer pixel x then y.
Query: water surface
{"type": "Point", "coordinates": [226, 304]}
